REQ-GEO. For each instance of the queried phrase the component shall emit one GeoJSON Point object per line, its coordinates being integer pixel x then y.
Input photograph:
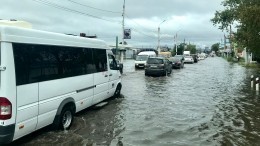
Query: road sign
{"type": "Point", "coordinates": [127, 34]}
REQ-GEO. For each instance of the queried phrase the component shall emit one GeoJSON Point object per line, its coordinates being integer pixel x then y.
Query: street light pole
{"type": "Point", "coordinates": [123, 39]}
{"type": "Point", "coordinates": [159, 50]}
{"type": "Point", "coordinates": [176, 43]}
{"type": "Point", "coordinates": [176, 40]}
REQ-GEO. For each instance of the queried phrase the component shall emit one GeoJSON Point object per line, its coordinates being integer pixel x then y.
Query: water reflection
{"type": "Point", "coordinates": [209, 103]}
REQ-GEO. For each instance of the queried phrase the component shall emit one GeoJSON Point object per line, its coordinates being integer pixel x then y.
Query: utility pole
{"type": "Point", "coordinates": [116, 46]}
{"type": "Point", "coordinates": [225, 47]}
{"type": "Point", "coordinates": [159, 49]}
{"type": "Point", "coordinates": [123, 27]}
{"type": "Point", "coordinates": [176, 36]}
{"type": "Point", "coordinates": [231, 47]}
{"type": "Point", "coordinates": [123, 23]}
{"type": "Point", "coordinates": [176, 43]}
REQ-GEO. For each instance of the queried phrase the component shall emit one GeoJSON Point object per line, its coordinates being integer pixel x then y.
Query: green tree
{"type": "Point", "coordinates": [215, 47]}
{"type": "Point", "coordinates": [191, 48]}
{"type": "Point", "coordinates": [246, 15]}
{"type": "Point", "coordinates": [180, 49]}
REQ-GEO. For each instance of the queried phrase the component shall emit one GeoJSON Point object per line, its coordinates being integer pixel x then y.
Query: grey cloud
{"type": "Point", "coordinates": [143, 17]}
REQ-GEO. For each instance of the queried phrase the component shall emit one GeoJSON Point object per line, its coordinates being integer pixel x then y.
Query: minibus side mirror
{"type": "Point", "coordinates": [120, 67]}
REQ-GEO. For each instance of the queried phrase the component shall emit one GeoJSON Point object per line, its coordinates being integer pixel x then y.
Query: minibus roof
{"type": "Point", "coordinates": [32, 36]}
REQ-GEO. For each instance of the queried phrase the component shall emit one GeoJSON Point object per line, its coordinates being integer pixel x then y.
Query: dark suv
{"type": "Point", "coordinates": [158, 66]}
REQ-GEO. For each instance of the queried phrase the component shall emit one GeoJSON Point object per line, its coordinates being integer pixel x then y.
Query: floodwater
{"type": "Point", "coordinates": [206, 103]}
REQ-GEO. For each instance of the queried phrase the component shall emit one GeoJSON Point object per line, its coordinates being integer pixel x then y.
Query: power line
{"type": "Point", "coordinates": [143, 33]}
{"type": "Point", "coordinates": [94, 7]}
{"type": "Point", "coordinates": [71, 10]}
{"type": "Point", "coordinates": [139, 24]}
{"type": "Point", "coordinates": [48, 3]}
{"type": "Point", "coordinates": [140, 32]}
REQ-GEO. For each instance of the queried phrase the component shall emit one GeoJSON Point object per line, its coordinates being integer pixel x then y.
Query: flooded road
{"type": "Point", "coordinates": [206, 103]}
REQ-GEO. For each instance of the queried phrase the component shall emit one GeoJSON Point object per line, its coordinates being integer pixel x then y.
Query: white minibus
{"type": "Point", "coordinates": [45, 78]}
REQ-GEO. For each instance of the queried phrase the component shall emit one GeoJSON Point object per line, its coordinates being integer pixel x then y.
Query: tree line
{"type": "Point", "coordinates": [245, 16]}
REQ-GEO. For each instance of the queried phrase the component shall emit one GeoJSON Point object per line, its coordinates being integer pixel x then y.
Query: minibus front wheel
{"type": "Point", "coordinates": [118, 91]}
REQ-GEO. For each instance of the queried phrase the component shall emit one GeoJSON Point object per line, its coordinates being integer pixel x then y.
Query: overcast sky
{"type": "Point", "coordinates": [190, 19]}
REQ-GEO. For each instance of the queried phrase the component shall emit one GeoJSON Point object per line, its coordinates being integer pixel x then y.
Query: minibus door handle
{"type": "Point", "coordinates": [106, 75]}
{"type": "Point", "coordinates": [110, 75]}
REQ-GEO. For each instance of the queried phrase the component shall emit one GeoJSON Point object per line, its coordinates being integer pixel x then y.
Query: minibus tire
{"type": "Point", "coordinates": [66, 118]}
{"type": "Point", "coordinates": [118, 91]}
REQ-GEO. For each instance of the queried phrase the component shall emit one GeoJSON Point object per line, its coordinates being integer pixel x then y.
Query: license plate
{"type": "Point", "coordinates": [153, 66]}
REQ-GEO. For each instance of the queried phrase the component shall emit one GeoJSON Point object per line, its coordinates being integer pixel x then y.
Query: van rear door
{"type": "Point", "coordinates": [7, 92]}
{"type": "Point", "coordinates": [26, 91]}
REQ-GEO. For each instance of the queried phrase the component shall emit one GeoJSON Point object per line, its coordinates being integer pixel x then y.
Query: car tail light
{"type": "Point", "coordinates": [5, 109]}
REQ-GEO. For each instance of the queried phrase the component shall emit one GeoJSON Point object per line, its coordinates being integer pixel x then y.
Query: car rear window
{"type": "Point", "coordinates": [154, 61]}
{"type": "Point", "coordinates": [175, 59]}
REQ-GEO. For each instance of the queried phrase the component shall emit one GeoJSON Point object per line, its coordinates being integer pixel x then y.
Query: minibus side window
{"type": "Point", "coordinates": [36, 63]}
{"type": "Point", "coordinates": [100, 59]}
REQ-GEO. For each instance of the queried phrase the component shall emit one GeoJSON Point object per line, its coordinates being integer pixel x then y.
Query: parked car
{"type": "Point", "coordinates": [180, 56]}
{"type": "Point", "coordinates": [177, 62]}
{"type": "Point", "coordinates": [158, 66]}
{"type": "Point", "coordinates": [188, 59]}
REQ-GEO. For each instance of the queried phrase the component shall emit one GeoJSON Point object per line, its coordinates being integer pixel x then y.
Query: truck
{"type": "Point", "coordinates": [187, 53]}
{"type": "Point", "coordinates": [165, 54]}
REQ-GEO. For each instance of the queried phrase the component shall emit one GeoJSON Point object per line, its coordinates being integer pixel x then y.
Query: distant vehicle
{"type": "Point", "coordinates": [142, 57]}
{"type": "Point", "coordinates": [177, 62]}
{"type": "Point", "coordinates": [201, 57]}
{"type": "Point", "coordinates": [158, 66]}
{"type": "Point", "coordinates": [186, 53]}
{"type": "Point", "coordinates": [204, 55]}
{"type": "Point", "coordinates": [165, 54]}
{"type": "Point", "coordinates": [188, 59]}
{"type": "Point", "coordinates": [195, 57]}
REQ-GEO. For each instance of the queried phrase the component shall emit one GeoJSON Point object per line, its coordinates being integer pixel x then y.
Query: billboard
{"type": "Point", "coordinates": [127, 33]}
